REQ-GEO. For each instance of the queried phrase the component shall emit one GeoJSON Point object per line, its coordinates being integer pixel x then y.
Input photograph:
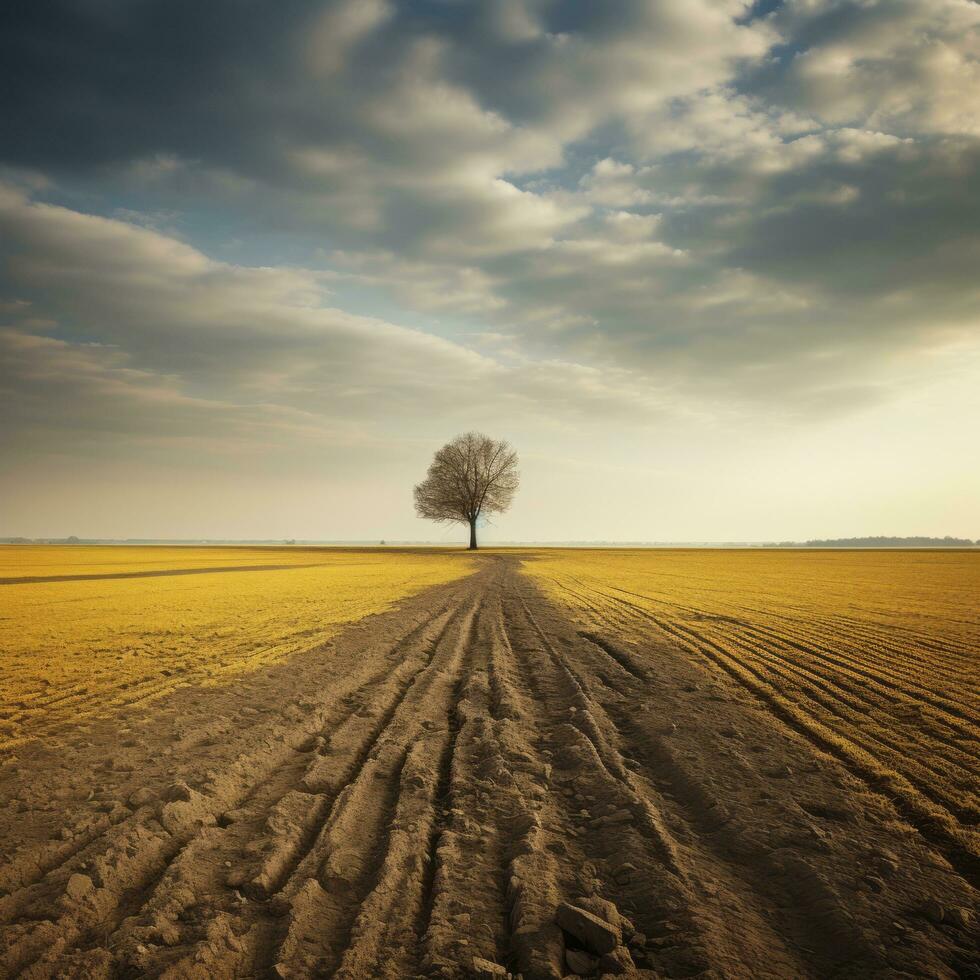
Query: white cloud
{"type": "Point", "coordinates": [149, 339]}
{"type": "Point", "coordinates": [592, 203]}
{"type": "Point", "coordinates": [897, 65]}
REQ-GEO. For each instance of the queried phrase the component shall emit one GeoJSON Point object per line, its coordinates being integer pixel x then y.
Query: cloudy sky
{"type": "Point", "coordinates": [710, 266]}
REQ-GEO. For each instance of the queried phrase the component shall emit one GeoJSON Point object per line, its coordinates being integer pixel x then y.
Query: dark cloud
{"type": "Point", "coordinates": [88, 83]}
{"type": "Point", "coordinates": [601, 203]}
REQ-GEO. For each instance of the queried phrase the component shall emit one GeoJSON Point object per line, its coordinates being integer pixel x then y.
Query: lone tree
{"type": "Point", "coordinates": [470, 476]}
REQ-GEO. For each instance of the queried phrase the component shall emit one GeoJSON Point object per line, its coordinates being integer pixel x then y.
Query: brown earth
{"type": "Point", "coordinates": [465, 786]}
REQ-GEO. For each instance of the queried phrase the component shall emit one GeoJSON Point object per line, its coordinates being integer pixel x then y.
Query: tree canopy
{"type": "Point", "coordinates": [469, 477]}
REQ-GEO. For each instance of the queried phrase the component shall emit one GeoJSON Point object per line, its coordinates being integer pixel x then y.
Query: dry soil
{"type": "Point", "coordinates": [472, 784]}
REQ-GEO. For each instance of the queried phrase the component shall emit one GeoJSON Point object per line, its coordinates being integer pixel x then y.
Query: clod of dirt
{"type": "Point", "coordinates": [79, 887]}
{"type": "Point", "coordinates": [959, 917]}
{"type": "Point", "coordinates": [617, 963]}
{"type": "Point", "coordinates": [485, 970]}
{"type": "Point", "coordinates": [236, 877]}
{"type": "Point", "coordinates": [581, 963]}
{"type": "Point", "coordinates": [595, 934]}
{"type": "Point", "coordinates": [141, 797]}
{"type": "Point", "coordinates": [608, 912]}
{"type": "Point", "coordinates": [179, 791]}
{"type": "Point", "coordinates": [229, 817]}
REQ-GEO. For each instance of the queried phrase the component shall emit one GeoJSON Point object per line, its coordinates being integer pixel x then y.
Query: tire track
{"type": "Point", "coordinates": [938, 828]}
{"type": "Point", "coordinates": [807, 889]}
{"type": "Point", "coordinates": [838, 662]}
{"type": "Point", "coordinates": [764, 944]}
{"type": "Point", "coordinates": [338, 764]}
{"type": "Point", "coordinates": [918, 795]}
{"type": "Point", "coordinates": [486, 760]}
{"type": "Point", "coordinates": [347, 861]}
{"type": "Point", "coordinates": [124, 890]}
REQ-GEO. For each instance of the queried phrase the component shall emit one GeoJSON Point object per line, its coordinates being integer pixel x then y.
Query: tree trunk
{"type": "Point", "coordinates": [473, 534]}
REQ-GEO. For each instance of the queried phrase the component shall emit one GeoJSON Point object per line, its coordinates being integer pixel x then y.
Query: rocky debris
{"type": "Point", "coordinates": [580, 962]}
{"type": "Point", "coordinates": [486, 970]}
{"type": "Point", "coordinates": [608, 912]}
{"type": "Point", "coordinates": [179, 790]}
{"type": "Point", "coordinates": [141, 797]}
{"type": "Point", "coordinates": [621, 816]}
{"type": "Point", "coordinates": [229, 817]}
{"type": "Point", "coordinates": [79, 887]}
{"type": "Point", "coordinates": [597, 925]}
{"type": "Point", "coordinates": [617, 963]}
{"type": "Point", "coordinates": [595, 934]}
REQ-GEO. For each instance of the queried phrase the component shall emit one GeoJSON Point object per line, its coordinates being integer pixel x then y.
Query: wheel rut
{"type": "Point", "coordinates": [420, 798]}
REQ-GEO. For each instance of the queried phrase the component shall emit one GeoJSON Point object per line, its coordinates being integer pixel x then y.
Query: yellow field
{"type": "Point", "coordinates": [79, 646]}
{"type": "Point", "coordinates": [713, 763]}
{"type": "Point", "coordinates": [872, 655]}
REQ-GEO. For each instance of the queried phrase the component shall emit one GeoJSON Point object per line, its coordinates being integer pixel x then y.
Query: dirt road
{"type": "Point", "coordinates": [420, 796]}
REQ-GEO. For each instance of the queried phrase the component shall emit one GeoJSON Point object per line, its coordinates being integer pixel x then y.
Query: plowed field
{"type": "Point", "coordinates": [85, 630]}
{"type": "Point", "coordinates": [657, 764]}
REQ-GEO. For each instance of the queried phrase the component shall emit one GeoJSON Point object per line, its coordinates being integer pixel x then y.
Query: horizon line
{"type": "Point", "coordinates": [900, 541]}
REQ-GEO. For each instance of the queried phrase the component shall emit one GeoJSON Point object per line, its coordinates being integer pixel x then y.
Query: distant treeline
{"type": "Point", "coordinates": [881, 541]}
